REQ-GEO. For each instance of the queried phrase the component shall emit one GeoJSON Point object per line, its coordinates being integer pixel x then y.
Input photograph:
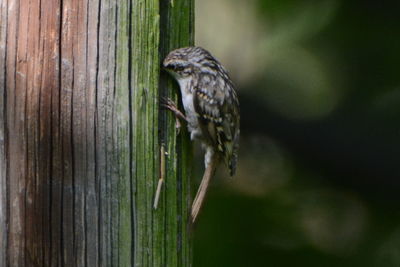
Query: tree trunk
{"type": "Point", "coordinates": [81, 133]}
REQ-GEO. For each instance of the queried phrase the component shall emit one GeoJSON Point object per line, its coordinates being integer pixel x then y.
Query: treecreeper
{"type": "Point", "coordinates": [211, 110]}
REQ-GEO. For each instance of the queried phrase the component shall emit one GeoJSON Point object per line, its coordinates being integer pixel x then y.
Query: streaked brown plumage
{"type": "Point", "coordinates": [211, 109]}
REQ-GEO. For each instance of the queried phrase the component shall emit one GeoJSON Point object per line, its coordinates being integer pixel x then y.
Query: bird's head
{"type": "Point", "coordinates": [187, 61]}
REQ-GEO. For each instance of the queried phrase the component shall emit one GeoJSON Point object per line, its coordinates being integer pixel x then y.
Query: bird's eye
{"type": "Point", "coordinates": [178, 68]}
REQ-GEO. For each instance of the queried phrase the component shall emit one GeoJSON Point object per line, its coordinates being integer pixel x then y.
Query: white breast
{"type": "Point", "coordinates": [187, 96]}
{"type": "Point", "coordinates": [191, 115]}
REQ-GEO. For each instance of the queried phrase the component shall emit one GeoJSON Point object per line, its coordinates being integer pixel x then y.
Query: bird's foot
{"type": "Point", "coordinates": [170, 105]}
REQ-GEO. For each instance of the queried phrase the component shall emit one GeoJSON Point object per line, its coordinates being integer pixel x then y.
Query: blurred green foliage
{"type": "Point", "coordinates": [319, 175]}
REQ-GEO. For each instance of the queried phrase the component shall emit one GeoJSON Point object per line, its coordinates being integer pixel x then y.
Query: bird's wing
{"type": "Point", "coordinates": [217, 106]}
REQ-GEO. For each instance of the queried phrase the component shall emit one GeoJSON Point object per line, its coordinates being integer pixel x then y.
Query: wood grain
{"type": "Point", "coordinates": [3, 165]}
{"type": "Point", "coordinates": [81, 131]}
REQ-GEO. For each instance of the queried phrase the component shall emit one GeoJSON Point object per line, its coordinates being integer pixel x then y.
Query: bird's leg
{"type": "Point", "coordinates": [169, 104]}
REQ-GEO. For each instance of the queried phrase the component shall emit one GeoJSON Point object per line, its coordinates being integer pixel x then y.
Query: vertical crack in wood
{"type": "Point", "coordinates": [57, 221]}
{"type": "Point", "coordinates": [96, 159]}
{"type": "Point", "coordinates": [87, 136]}
{"type": "Point", "coordinates": [115, 160]}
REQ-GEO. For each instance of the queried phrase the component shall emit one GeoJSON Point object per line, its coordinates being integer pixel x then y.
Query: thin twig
{"type": "Point", "coordinates": [162, 176]}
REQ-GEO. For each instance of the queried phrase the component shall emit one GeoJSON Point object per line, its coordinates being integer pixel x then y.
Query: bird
{"type": "Point", "coordinates": [211, 110]}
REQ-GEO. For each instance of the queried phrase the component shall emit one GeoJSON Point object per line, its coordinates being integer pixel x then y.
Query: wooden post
{"type": "Point", "coordinates": [81, 133]}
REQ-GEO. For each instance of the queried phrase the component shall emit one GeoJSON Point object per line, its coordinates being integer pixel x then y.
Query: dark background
{"type": "Point", "coordinates": [319, 175]}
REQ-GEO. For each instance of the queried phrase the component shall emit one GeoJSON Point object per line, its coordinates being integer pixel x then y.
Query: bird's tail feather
{"type": "Point", "coordinates": [201, 192]}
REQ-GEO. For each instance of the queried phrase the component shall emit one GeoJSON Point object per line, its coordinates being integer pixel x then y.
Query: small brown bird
{"type": "Point", "coordinates": [211, 110]}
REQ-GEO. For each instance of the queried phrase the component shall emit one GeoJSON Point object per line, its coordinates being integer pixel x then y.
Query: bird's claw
{"type": "Point", "coordinates": [169, 104]}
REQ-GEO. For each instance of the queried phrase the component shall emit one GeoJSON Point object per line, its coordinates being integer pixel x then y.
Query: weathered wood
{"type": "Point", "coordinates": [3, 166]}
{"type": "Point", "coordinates": [81, 131]}
{"type": "Point", "coordinates": [177, 27]}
